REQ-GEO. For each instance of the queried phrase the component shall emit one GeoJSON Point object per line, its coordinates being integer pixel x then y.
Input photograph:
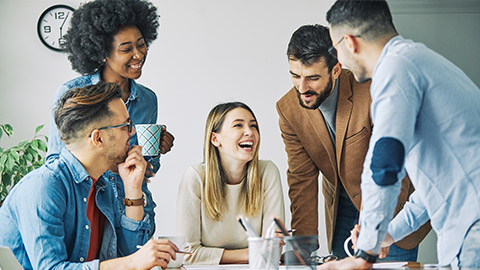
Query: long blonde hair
{"type": "Point", "coordinates": [214, 185]}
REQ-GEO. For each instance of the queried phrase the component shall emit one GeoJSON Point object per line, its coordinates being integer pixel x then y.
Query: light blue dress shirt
{"type": "Point", "coordinates": [44, 218]}
{"type": "Point", "coordinates": [428, 104]}
{"type": "Point", "coordinates": [142, 107]}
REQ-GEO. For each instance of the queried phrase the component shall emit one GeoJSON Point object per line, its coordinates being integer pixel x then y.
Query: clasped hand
{"type": "Point", "coordinates": [132, 172]}
{"type": "Point", "coordinates": [387, 241]}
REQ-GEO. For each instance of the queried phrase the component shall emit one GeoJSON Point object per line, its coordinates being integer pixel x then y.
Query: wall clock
{"type": "Point", "coordinates": [52, 26]}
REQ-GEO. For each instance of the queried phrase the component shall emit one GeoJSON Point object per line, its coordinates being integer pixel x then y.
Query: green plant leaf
{"type": "Point", "coordinates": [42, 145]}
{"type": "Point", "coordinates": [3, 157]}
{"type": "Point", "coordinates": [23, 143]}
{"type": "Point", "coordinates": [29, 157]}
{"type": "Point", "coordinates": [38, 129]}
{"type": "Point", "coordinates": [39, 162]}
{"type": "Point", "coordinates": [6, 180]}
{"type": "Point", "coordinates": [20, 173]}
{"type": "Point", "coordinates": [3, 193]}
{"type": "Point", "coordinates": [14, 155]}
{"type": "Point", "coordinates": [31, 151]}
{"type": "Point", "coordinates": [22, 161]}
{"type": "Point", "coordinates": [17, 161]}
{"type": "Point", "coordinates": [17, 178]}
{"type": "Point", "coordinates": [34, 145]}
{"type": "Point", "coordinates": [9, 164]}
{"type": "Point", "coordinates": [8, 129]}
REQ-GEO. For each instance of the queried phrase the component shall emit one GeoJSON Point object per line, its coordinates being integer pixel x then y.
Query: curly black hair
{"type": "Point", "coordinates": [93, 25]}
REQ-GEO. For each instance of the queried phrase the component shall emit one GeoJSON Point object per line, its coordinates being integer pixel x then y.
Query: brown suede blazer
{"type": "Point", "coordinates": [310, 151]}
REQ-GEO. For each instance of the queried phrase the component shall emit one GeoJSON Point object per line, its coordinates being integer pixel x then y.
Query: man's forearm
{"type": "Point", "coordinates": [123, 263]}
{"type": "Point", "coordinates": [134, 212]}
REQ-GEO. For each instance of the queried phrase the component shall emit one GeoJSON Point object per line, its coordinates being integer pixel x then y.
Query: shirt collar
{"type": "Point", "coordinates": [95, 77]}
{"type": "Point", "coordinates": [133, 92]}
{"type": "Point", "coordinates": [330, 103]}
{"type": "Point", "coordinates": [77, 171]}
{"type": "Point", "coordinates": [385, 50]}
{"type": "Point", "coordinates": [133, 87]}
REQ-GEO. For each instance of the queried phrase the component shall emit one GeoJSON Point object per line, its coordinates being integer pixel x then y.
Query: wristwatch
{"type": "Point", "coordinates": [135, 202]}
{"type": "Point", "coordinates": [364, 255]}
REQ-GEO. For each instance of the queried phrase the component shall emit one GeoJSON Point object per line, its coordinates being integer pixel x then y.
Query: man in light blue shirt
{"type": "Point", "coordinates": [49, 220]}
{"type": "Point", "coordinates": [426, 117]}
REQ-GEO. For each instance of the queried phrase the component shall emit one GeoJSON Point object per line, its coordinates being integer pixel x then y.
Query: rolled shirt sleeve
{"type": "Point", "coordinates": [411, 218]}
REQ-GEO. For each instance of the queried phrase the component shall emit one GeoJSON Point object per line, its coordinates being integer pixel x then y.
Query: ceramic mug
{"type": "Point", "coordinates": [148, 136]}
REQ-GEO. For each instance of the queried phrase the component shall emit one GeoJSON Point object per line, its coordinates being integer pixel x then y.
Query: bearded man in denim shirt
{"type": "Point", "coordinates": [64, 214]}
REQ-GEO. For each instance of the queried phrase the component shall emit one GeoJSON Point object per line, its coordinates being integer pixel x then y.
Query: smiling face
{"type": "Point", "coordinates": [238, 137]}
{"type": "Point", "coordinates": [128, 55]}
{"type": "Point", "coordinates": [313, 83]}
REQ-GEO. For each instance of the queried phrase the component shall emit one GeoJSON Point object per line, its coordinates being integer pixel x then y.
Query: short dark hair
{"type": "Point", "coordinates": [372, 19]}
{"type": "Point", "coordinates": [93, 25]}
{"type": "Point", "coordinates": [78, 108]}
{"type": "Point", "coordinates": [309, 44]}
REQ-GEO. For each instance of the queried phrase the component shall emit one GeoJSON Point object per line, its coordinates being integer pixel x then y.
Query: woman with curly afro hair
{"type": "Point", "coordinates": [108, 41]}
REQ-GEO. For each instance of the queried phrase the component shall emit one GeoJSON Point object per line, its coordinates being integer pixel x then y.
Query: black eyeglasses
{"type": "Point", "coordinates": [332, 51]}
{"type": "Point", "coordinates": [128, 124]}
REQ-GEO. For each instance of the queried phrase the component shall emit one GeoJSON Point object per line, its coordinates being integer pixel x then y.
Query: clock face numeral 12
{"type": "Point", "coordinates": [52, 26]}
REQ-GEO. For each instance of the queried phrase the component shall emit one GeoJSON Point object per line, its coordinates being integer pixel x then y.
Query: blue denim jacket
{"type": "Point", "coordinates": [142, 107]}
{"type": "Point", "coordinates": [44, 218]}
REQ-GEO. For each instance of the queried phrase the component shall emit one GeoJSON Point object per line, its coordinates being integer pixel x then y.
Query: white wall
{"type": "Point", "coordinates": [207, 52]}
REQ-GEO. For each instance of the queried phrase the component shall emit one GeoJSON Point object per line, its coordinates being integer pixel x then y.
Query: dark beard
{"type": "Point", "coordinates": [115, 160]}
{"type": "Point", "coordinates": [320, 97]}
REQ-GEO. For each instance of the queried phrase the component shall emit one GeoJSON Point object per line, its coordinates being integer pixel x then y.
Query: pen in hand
{"type": "Point", "coordinates": [282, 228]}
{"type": "Point", "coordinates": [177, 251]}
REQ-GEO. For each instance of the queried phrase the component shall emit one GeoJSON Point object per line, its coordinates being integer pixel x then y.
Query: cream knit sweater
{"type": "Point", "coordinates": [207, 238]}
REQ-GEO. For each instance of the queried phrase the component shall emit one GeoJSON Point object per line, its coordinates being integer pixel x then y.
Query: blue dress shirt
{"type": "Point", "coordinates": [425, 106]}
{"type": "Point", "coordinates": [44, 218]}
{"type": "Point", "coordinates": [142, 107]}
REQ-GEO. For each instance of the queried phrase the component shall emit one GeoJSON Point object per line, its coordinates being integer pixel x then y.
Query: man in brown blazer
{"type": "Point", "coordinates": [326, 127]}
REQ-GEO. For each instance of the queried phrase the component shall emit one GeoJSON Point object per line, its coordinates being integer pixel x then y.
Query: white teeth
{"type": "Point", "coordinates": [246, 144]}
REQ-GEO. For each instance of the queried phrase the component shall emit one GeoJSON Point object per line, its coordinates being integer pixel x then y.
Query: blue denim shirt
{"type": "Point", "coordinates": [44, 218]}
{"type": "Point", "coordinates": [428, 104]}
{"type": "Point", "coordinates": [142, 107]}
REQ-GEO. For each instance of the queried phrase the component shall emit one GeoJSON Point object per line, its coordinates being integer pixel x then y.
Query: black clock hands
{"type": "Point", "coordinates": [61, 41]}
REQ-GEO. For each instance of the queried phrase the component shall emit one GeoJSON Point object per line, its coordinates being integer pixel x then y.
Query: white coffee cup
{"type": "Point", "coordinates": [178, 241]}
{"type": "Point", "coordinates": [345, 246]}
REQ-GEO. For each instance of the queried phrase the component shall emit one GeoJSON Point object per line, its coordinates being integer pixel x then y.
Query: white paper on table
{"type": "Point", "coordinates": [218, 267]}
{"type": "Point", "coordinates": [389, 265]}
